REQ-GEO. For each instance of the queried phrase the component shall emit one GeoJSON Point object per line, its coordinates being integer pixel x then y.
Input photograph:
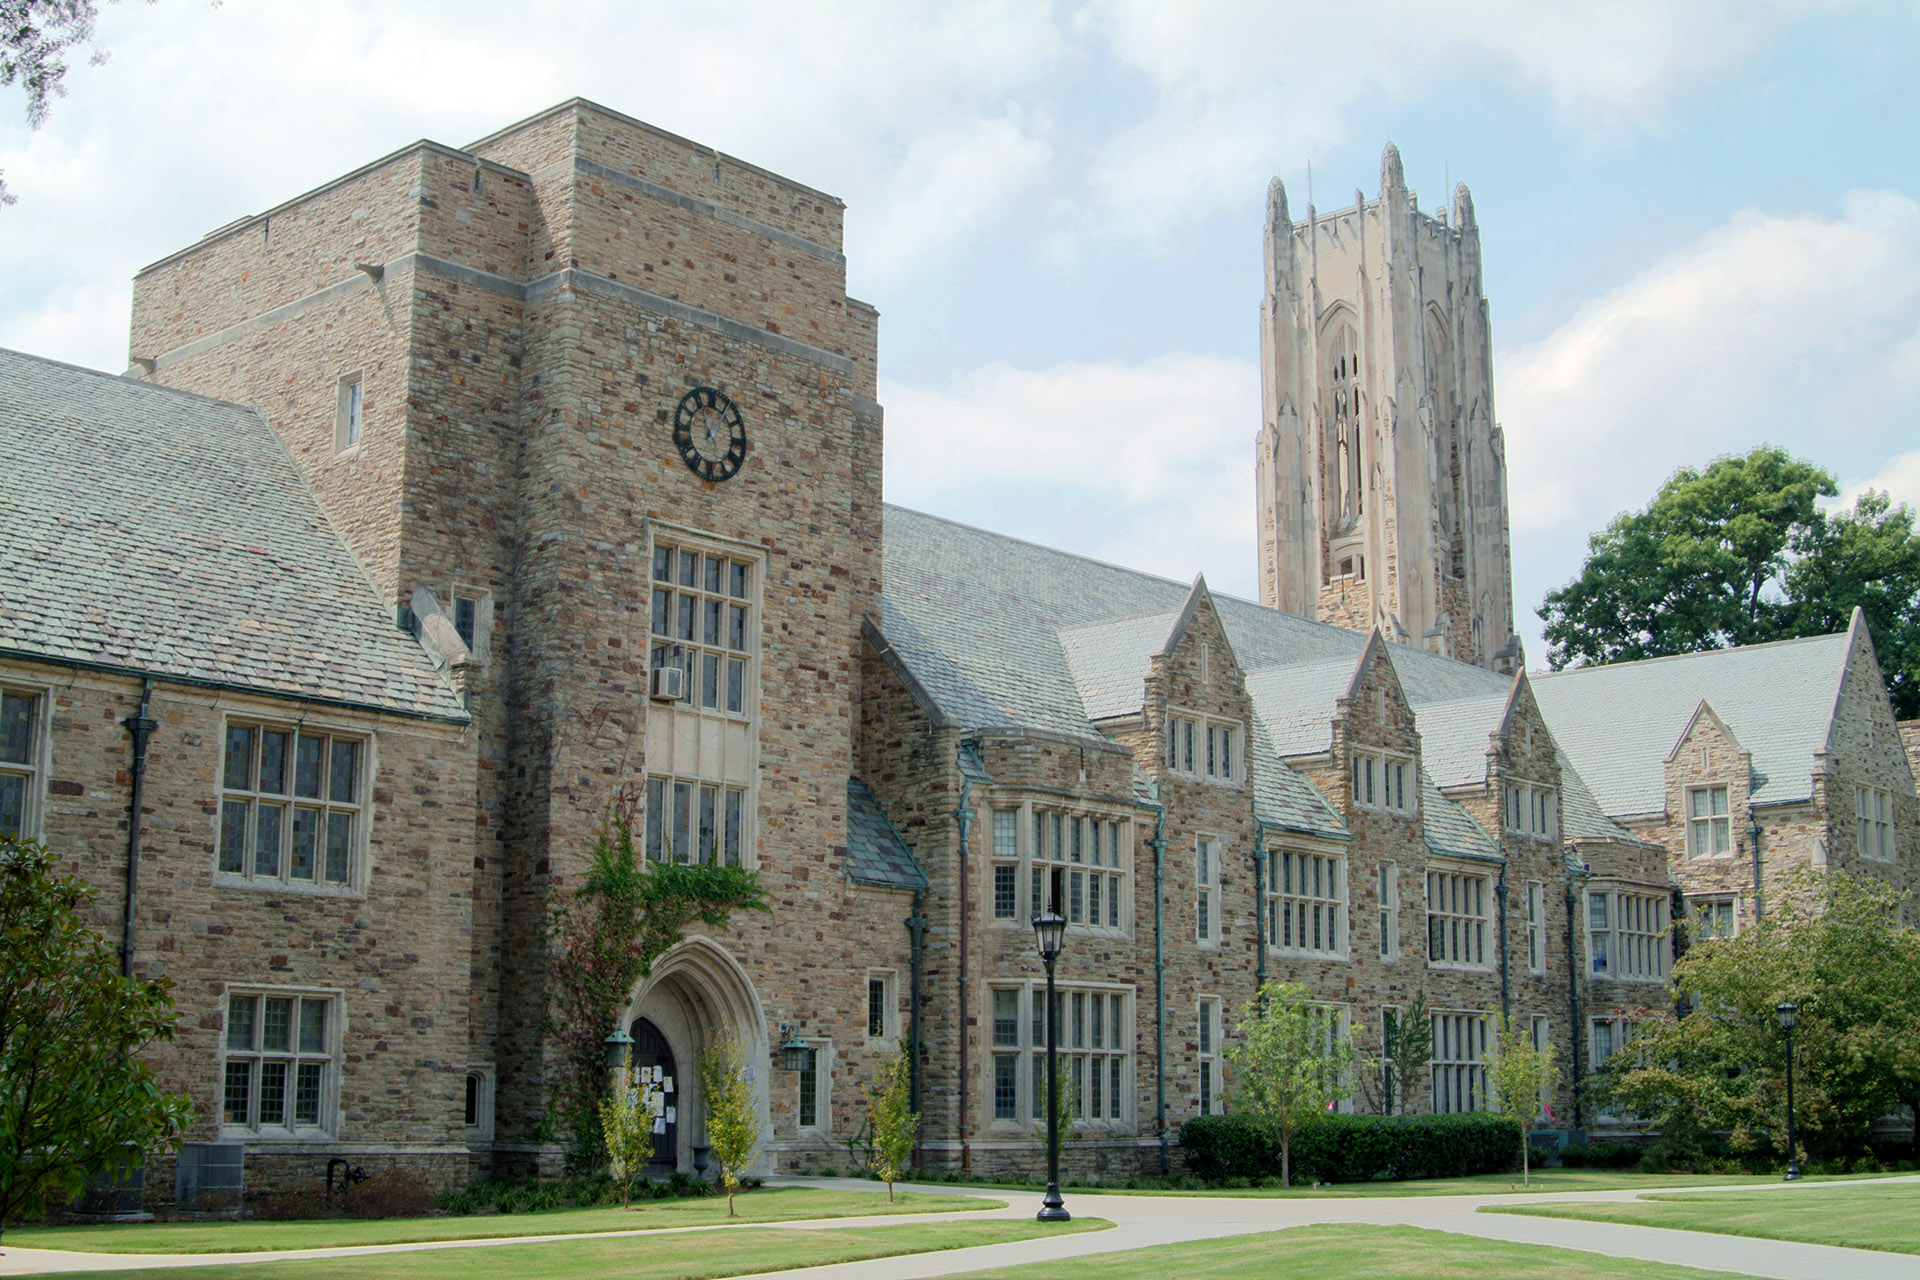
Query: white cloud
{"type": "Point", "coordinates": [1799, 330]}
{"type": "Point", "coordinates": [1141, 464]}
{"type": "Point", "coordinates": [1898, 477]}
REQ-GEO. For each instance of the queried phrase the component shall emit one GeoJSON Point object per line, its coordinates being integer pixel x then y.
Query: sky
{"type": "Point", "coordinates": [1700, 221]}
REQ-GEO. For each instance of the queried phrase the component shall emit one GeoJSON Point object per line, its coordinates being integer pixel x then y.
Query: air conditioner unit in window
{"type": "Point", "coordinates": [669, 684]}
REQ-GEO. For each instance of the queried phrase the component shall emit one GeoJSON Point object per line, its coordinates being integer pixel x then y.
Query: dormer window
{"type": "Point", "coordinates": [1533, 811]}
{"type": "Point", "coordinates": [1382, 781]}
{"type": "Point", "coordinates": [1203, 748]}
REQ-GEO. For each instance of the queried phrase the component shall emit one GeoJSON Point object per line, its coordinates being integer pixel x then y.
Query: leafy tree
{"type": "Point", "coordinates": [890, 1114]}
{"type": "Point", "coordinates": [75, 1099]}
{"type": "Point", "coordinates": [1290, 1063]}
{"type": "Point", "coordinates": [1740, 553]}
{"type": "Point", "coordinates": [627, 913]}
{"type": "Point", "coordinates": [1406, 1049]}
{"type": "Point", "coordinates": [1521, 1074]}
{"type": "Point", "coordinates": [626, 1123]}
{"type": "Point", "coordinates": [35, 36]}
{"type": "Point", "coordinates": [1833, 945]}
{"type": "Point", "coordinates": [733, 1127]}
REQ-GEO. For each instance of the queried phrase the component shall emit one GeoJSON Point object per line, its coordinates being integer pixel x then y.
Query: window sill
{"type": "Point", "coordinates": [1295, 953]}
{"type": "Point", "coordinates": [253, 1137]}
{"type": "Point", "coordinates": [234, 880]}
{"type": "Point", "coordinates": [1458, 967]}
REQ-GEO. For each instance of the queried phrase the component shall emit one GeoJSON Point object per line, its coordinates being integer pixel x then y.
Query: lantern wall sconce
{"type": "Point", "coordinates": [795, 1052]}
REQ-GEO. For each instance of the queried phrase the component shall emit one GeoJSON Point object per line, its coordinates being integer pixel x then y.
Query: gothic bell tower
{"type": "Point", "coordinates": [1382, 488]}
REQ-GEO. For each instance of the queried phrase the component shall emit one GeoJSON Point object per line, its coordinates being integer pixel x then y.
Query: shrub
{"type": "Point", "coordinates": [1602, 1155]}
{"type": "Point", "coordinates": [1342, 1148]}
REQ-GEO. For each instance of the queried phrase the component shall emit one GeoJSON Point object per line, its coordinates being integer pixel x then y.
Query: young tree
{"type": "Point", "coordinates": [1406, 1050]}
{"type": "Point", "coordinates": [733, 1127]}
{"type": "Point", "coordinates": [75, 1099]}
{"type": "Point", "coordinates": [890, 1113]}
{"type": "Point", "coordinates": [1521, 1074]}
{"type": "Point", "coordinates": [1833, 944]}
{"type": "Point", "coordinates": [1290, 1063]}
{"type": "Point", "coordinates": [626, 1122]}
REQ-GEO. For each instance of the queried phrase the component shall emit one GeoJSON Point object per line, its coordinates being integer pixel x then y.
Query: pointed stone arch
{"type": "Point", "coordinates": [694, 991]}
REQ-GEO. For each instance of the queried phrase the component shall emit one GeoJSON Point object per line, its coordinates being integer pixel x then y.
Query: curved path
{"type": "Point", "coordinates": [1141, 1221]}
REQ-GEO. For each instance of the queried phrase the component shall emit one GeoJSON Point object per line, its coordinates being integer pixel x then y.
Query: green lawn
{"type": "Point", "coordinates": [679, 1257]}
{"type": "Point", "coordinates": [1862, 1217]}
{"type": "Point", "coordinates": [1479, 1185]}
{"type": "Point", "coordinates": [1342, 1253]}
{"type": "Point", "coordinates": [772, 1204]}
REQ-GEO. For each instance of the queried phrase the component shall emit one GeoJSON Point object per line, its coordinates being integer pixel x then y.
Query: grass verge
{"type": "Point", "coordinates": [1886, 1218]}
{"type": "Point", "coordinates": [774, 1204]}
{"type": "Point", "coordinates": [680, 1257]}
{"type": "Point", "coordinates": [1341, 1253]}
{"type": "Point", "coordinates": [1547, 1180]}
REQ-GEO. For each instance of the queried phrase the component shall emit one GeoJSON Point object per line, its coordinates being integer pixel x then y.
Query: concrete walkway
{"type": "Point", "coordinates": [1141, 1221]}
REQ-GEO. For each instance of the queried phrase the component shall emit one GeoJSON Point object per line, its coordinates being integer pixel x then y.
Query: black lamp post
{"type": "Point", "coordinates": [1049, 931]}
{"type": "Point", "coordinates": [1788, 1011]}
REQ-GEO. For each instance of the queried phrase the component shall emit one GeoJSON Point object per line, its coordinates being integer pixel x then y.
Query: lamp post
{"type": "Point", "coordinates": [1788, 1011]}
{"type": "Point", "coordinates": [619, 1050]}
{"type": "Point", "coordinates": [1049, 931]}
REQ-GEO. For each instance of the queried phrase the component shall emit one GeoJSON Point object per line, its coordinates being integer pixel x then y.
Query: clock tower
{"type": "Point", "coordinates": [1381, 470]}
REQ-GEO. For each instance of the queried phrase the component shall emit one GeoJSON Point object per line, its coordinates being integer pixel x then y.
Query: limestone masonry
{"type": "Point", "coordinates": [481, 490]}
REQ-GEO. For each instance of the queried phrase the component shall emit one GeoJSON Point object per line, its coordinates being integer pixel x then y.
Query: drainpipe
{"type": "Point", "coordinates": [916, 930]}
{"type": "Point", "coordinates": [1259, 906]}
{"type": "Point", "coordinates": [1759, 894]}
{"type": "Point", "coordinates": [141, 726]}
{"type": "Point", "coordinates": [1573, 1000]}
{"type": "Point", "coordinates": [1506, 995]}
{"type": "Point", "coordinates": [965, 816]}
{"type": "Point", "coordinates": [1160, 982]}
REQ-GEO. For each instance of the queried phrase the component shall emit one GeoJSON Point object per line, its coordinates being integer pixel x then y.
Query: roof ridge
{"type": "Point", "coordinates": [1680, 657]}
{"type": "Point", "coordinates": [123, 380]}
{"type": "Point", "coordinates": [1041, 546]}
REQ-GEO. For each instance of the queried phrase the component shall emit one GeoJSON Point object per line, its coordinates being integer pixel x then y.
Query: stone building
{"type": "Point", "coordinates": [1380, 468]}
{"type": "Point", "coordinates": [559, 488]}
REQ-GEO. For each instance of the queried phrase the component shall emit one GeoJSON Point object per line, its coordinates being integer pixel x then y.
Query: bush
{"type": "Point", "coordinates": [1342, 1148]}
{"type": "Point", "coordinates": [1603, 1155]}
{"type": "Point", "coordinates": [533, 1196]}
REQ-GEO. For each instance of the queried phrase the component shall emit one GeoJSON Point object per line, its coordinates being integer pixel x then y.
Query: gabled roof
{"type": "Point", "coordinates": [1297, 702]}
{"type": "Point", "coordinates": [1580, 815]}
{"type": "Point", "coordinates": [1618, 722]}
{"type": "Point", "coordinates": [154, 531]}
{"type": "Point", "coordinates": [1449, 828]}
{"type": "Point", "coordinates": [1454, 737]}
{"type": "Point", "coordinates": [876, 855]}
{"type": "Point", "coordinates": [1110, 661]}
{"type": "Point", "coordinates": [1284, 798]}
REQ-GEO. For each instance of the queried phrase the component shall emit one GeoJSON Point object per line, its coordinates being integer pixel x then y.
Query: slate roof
{"type": "Point", "coordinates": [1283, 797]}
{"type": "Point", "coordinates": [1454, 737]}
{"type": "Point", "coordinates": [1110, 660]}
{"type": "Point", "coordinates": [152, 530]}
{"type": "Point", "coordinates": [1297, 702]}
{"type": "Point", "coordinates": [1580, 814]}
{"type": "Point", "coordinates": [1618, 722]}
{"type": "Point", "coordinates": [1449, 828]}
{"type": "Point", "coordinates": [876, 855]}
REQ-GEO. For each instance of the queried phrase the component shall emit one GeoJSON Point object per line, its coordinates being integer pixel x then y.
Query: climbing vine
{"type": "Point", "coordinates": [627, 913]}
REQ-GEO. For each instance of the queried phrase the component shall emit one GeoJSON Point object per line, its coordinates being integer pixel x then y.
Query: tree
{"type": "Point", "coordinates": [1406, 1049]}
{"type": "Point", "coordinates": [1290, 1063]}
{"type": "Point", "coordinates": [35, 36]}
{"type": "Point", "coordinates": [733, 1126]}
{"type": "Point", "coordinates": [1741, 553]}
{"type": "Point", "coordinates": [626, 1123]}
{"type": "Point", "coordinates": [1832, 944]}
{"type": "Point", "coordinates": [608, 935]}
{"type": "Point", "coordinates": [1521, 1074]}
{"type": "Point", "coordinates": [890, 1114]}
{"type": "Point", "coordinates": [75, 1098]}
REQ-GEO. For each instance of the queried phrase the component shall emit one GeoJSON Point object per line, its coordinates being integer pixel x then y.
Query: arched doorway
{"type": "Point", "coordinates": [652, 1054]}
{"type": "Point", "coordinates": [695, 991]}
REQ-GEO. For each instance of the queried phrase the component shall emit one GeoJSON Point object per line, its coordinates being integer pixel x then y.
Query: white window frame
{"type": "Point", "coordinates": [1210, 1100]}
{"type": "Point", "coordinates": [32, 766]}
{"type": "Point", "coordinates": [1630, 934]}
{"type": "Point", "coordinates": [482, 1080]}
{"type": "Point", "coordinates": [1043, 840]}
{"type": "Point", "coordinates": [1206, 884]}
{"type": "Point", "coordinates": [733, 820]}
{"type": "Point", "coordinates": [889, 1007]}
{"type": "Point", "coordinates": [711, 624]}
{"type": "Point", "coordinates": [1537, 927]}
{"type": "Point", "coordinates": [1540, 1032]}
{"type": "Point", "coordinates": [1460, 931]}
{"type": "Point", "coordinates": [1208, 748]}
{"type": "Point", "coordinates": [1705, 830]}
{"type": "Point", "coordinates": [1706, 907]}
{"type": "Point", "coordinates": [1300, 911]}
{"type": "Point", "coordinates": [1619, 1034]}
{"type": "Point", "coordinates": [1461, 1075]}
{"type": "Point", "coordinates": [359, 809]}
{"type": "Point", "coordinates": [329, 1058]}
{"type": "Point", "coordinates": [350, 414]}
{"type": "Point", "coordinates": [1873, 823]}
{"type": "Point", "coordinates": [1387, 886]}
{"type": "Point", "coordinates": [1338, 1028]}
{"type": "Point", "coordinates": [1385, 782]}
{"type": "Point", "coordinates": [1024, 1053]}
{"type": "Point", "coordinates": [1532, 810]}
{"type": "Point", "coordinates": [820, 1066]}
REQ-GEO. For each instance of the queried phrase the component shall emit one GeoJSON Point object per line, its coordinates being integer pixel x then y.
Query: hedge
{"type": "Point", "coordinates": [1341, 1148]}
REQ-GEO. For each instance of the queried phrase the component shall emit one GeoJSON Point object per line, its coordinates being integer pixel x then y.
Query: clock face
{"type": "Point", "coordinates": [709, 434]}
